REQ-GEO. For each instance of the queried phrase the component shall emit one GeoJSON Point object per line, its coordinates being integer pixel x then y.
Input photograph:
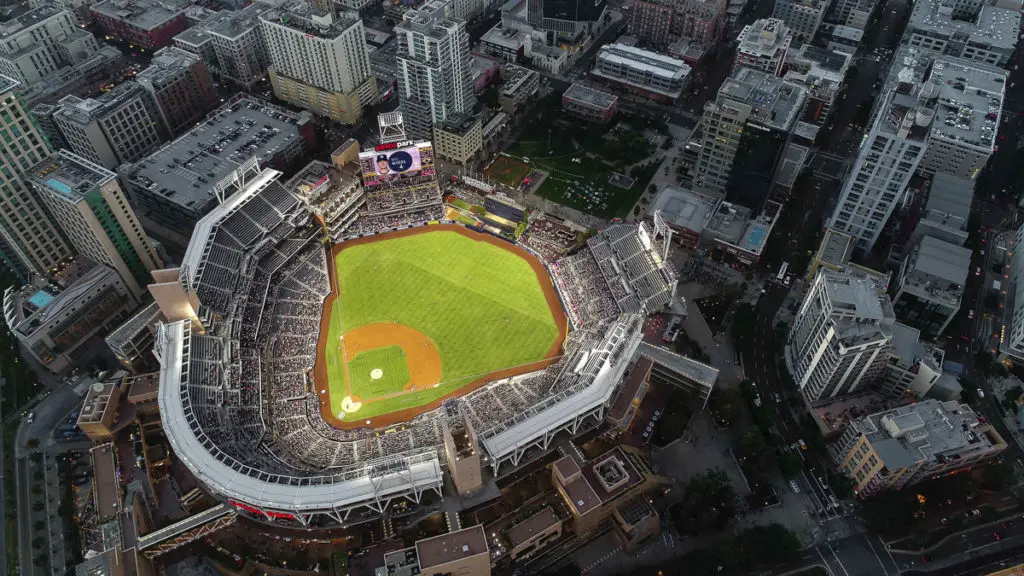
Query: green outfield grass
{"type": "Point", "coordinates": [481, 305]}
{"type": "Point", "coordinates": [390, 361]}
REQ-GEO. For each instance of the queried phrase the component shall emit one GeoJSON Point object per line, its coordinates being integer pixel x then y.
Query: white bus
{"type": "Point", "coordinates": [782, 271]}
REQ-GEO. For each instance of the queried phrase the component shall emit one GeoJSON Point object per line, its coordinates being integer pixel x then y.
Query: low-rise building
{"type": "Point", "coordinates": [822, 72]}
{"type": "Point", "coordinates": [132, 341]}
{"type": "Point", "coordinates": [946, 211]}
{"type": "Point", "coordinates": [897, 448]}
{"type": "Point", "coordinates": [519, 86]}
{"type": "Point", "coordinates": [643, 72]}
{"type": "Point", "coordinates": [763, 46]}
{"type": "Point", "coordinates": [549, 58]}
{"type": "Point", "coordinates": [460, 552]}
{"type": "Point", "coordinates": [148, 24]}
{"type": "Point", "coordinates": [845, 39]}
{"type": "Point", "coordinates": [736, 237]}
{"type": "Point", "coordinates": [589, 104]}
{"type": "Point", "coordinates": [913, 367]}
{"type": "Point", "coordinates": [507, 44]}
{"type": "Point", "coordinates": [172, 188]}
{"type": "Point", "coordinates": [930, 285]}
{"type": "Point", "coordinates": [533, 534]}
{"type": "Point", "coordinates": [54, 319]}
{"type": "Point", "coordinates": [802, 16]}
{"type": "Point", "coordinates": [459, 139]}
{"type": "Point", "coordinates": [686, 211]}
{"type": "Point", "coordinates": [834, 252]}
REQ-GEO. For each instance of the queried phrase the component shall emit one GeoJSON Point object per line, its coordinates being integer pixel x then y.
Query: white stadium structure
{"type": "Point", "coordinates": [240, 413]}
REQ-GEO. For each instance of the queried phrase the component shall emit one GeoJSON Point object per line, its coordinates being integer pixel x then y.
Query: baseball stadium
{"type": "Point", "coordinates": [331, 346]}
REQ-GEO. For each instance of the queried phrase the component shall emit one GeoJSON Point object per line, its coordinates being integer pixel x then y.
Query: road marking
{"type": "Point", "coordinates": [829, 544]}
{"type": "Point", "coordinates": [824, 562]}
{"type": "Point", "coordinates": [876, 554]}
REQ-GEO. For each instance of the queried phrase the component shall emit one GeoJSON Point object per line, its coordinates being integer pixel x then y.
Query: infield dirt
{"type": "Point", "coordinates": [394, 337]}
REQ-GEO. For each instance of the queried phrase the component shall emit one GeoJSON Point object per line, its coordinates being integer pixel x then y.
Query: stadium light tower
{"type": "Point", "coordinates": [392, 127]}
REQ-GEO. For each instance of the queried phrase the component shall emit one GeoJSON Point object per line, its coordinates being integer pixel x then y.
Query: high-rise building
{"type": "Point", "coordinates": [822, 72]}
{"type": "Point", "coordinates": [119, 126]}
{"type": "Point", "coordinates": [853, 13]}
{"type": "Point", "coordinates": [802, 16]}
{"type": "Point", "coordinates": [651, 22]}
{"type": "Point", "coordinates": [180, 86]}
{"type": "Point", "coordinates": [32, 44]}
{"type": "Point", "coordinates": [898, 448]}
{"type": "Point", "coordinates": [888, 156]}
{"type": "Point", "coordinates": [30, 241]}
{"type": "Point", "coordinates": [983, 32]}
{"type": "Point", "coordinates": [751, 119]}
{"type": "Point", "coordinates": [763, 46]}
{"type": "Point", "coordinates": [319, 61]}
{"type": "Point", "coordinates": [971, 105]}
{"type": "Point", "coordinates": [700, 21]}
{"type": "Point", "coordinates": [87, 202]}
{"type": "Point", "coordinates": [840, 337]}
{"type": "Point", "coordinates": [434, 64]}
{"type": "Point", "coordinates": [930, 285]}
{"type": "Point", "coordinates": [239, 45]}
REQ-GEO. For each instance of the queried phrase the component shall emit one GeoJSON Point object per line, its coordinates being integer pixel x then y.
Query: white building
{"type": "Point", "coordinates": [32, 44]}
{"type": "Point", "coordinates": [434, 65]}
{"type": "Point", "coordinates": [802, 16]}
{"type": "Point", "coordinates": [974, 31]}
{"type": "Point", "coordinates": [239, 48]}
{"type": "Point", "coordinates": [888, 156]}
{"type": "Point", "coordinates": [763, 46]}
{"type": "Point", "coordinates": [840, 337]}
{"type": "Point", "coordinates": [320, 62]}
{"type": "Point", "coordinates": [649, 73]}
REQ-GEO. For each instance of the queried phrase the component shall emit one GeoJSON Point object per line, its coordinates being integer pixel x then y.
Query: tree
{"type": "Point", "coordinates": [842, 485]}
{"type": "Point", "coordinates": [37, 490]}
{"type": "Point", "coordinates": [727, 405]}
{"type": "Point", "coordinates": [790, 464]}
{"type": "Point", "coordinates": [32, 443]}
{"type": "Point", "coordinates": [39, 525]}
{"type": "Point", "coordinates": [38, 506]}
{"type": "Point", "coordinates": [39, 560]}
{"type": "Point", "coordinates": [998, 476]}
{"type": "Point", "coordinates": [38, 542]}
{"type": "Point", "coordinates": [708, 504]}
{"type": "Point", "coordinates": [891, 512]}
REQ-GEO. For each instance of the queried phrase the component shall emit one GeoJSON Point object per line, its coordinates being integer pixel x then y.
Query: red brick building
{"type": "Point", "coordinates": [651, 22]}
{"type": "Point", "coordinates": [141, 23]}
{"type": "Point", "coordinates": [180, 84]}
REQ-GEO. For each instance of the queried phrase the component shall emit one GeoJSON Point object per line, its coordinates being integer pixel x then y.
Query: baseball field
{"type": "Point", "coordinates": [420, 315]}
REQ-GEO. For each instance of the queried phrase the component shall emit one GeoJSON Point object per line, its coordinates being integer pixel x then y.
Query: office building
{"type": "Point", "coordinates": [88, 204]}
{"type": "Point", "coordinates": [898, 448]}
{"type": "Point", "coordinates": [750, 119]}
{"type": "Point", "coordinates": [985, 33]}
{"type": "Point", "coordinates": [180, 86]}
{"type": "Point", "coordinates": [508, 45]}
{"type": "Point", "coordinates": [946, 211]}
{"type": "Point", "coordinates": [519, 88]}
{"type": "Point", "coordinates": [240, 47]}
{"type": "Point", "coordinates": [736, 237]}
{"type": "Point", "coordinates": [104, 66]}
{"type": "Point", "coordinates": [31, 243]}
{"type": "Point", "coordinates": [1012, 337]}
{"type": "Point", "coordinates": [803, 17]}
{"type": "Point", "coordinates": [651, 22]}
{"type": "Point", "coordinates": [54, 317]}
{"type": "Point", "coordinates": [822, 72]}
{"type": "Point", "coordinates": [319, 61]}
{"type": "Point", "coordinates": [686, 211]}
{"type": "Point", "coordinates": [116, 127]}
{"type": "Point", "coordinates": [433, 69]}
{"type": "Point", "coordinates": [642, 72]}
{"type": "Point", "coordinates": [763, 46]}
{"type": "Point", "coordinates": [852, 13]}
{"type": "Point", "coordinates": [930, 285]}
{"type": "Point", "coordinates": [148, 24]}
{"type": "Point", "coordinates": [968, 116]}
{"type": "Point", "coordinates": [913, 367]}
{"type": "Point", "coordinates": [459, 138]}
{"type": "Point", "coordinates": [459, 552]}
{"type": "Point", "coordinates": [172, 188]}
{"type": "Point", "coordinates": [589, 104]}
{"type": "Point", "coordinates": [889, 154]}
{"type": "Point", "coordinates": [32, 44]}
{"type": "Point", "coordinates": [840, 337]}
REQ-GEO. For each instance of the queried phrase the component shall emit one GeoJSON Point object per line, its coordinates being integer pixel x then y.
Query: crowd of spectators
{"type": "Point", "coordinates": [548, 238]}
{"type": "Point", "coordinates": [584, 291]}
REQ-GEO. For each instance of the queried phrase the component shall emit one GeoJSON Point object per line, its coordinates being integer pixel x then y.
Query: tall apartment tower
{"type": "Point", "coordinates": [320, 61]}
{"type": "Point", "coordinates": [180, 86]}
{"type": "Point", "coordinates": [239, 46]}
{"type": "Point", "coordinates": [119, 126]}
{"type": "Point", "coordinates": [751, 119]}
{"type": "Point", "coordinates": [433, 69]}
{"type": "Point", "coordinates": [840, 336]}
{"type": "Point", "coordinates": [30, 241]}
{"type": "Point", "coordinates": [763, 45]}
{"type": "Point", "coordinates": [888, 157]}
{"type": "Point", "coordinates": [86, 201]}
{"type": "Point", "coordinates": [32, 45]}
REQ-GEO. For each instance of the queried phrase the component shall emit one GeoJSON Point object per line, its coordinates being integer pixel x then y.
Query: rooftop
{"type": "Point", "coordinates": [69, 176]}
{"type": "Point", "coordinates": [854, 297]}
{"type": "Point", "coordinates": [997, 27]}
{"type": "Point", "coordinates": [729, 221]}
{"type": "Point", "coordinates": [515, 78]}
{"type": "Point", "coordinates": [684, 208]}
{"type": "Point", "coordinates": [970, 101]}
{"type": "Point", "coordinates": [509, 38]}
{"type": "Point", "coordinates": [107, 490]}
{"type": "Point", "coordinates": [764, 37]}
{"type": "Point", "coordinates": [848, 33]}
{"type": "Point", "coordinates": [836, 248]}
{"type": "Point", "coordinates": [452, 546]}
{"type": "Point", "coordinates": [908, 347]}
{"type": "Point", "coordinates": [305, 18]}
{"type": "Point", "coordinates": [776, 103]}
{"type": "Point", "coordinates": [937, 270]}
{"type": "Point", "coordinates": [926, 431]}
{"type": "Point", "coordinates": [97, 401]}
{"type": "Point", "coordinates": [28, 19]}
{"type": "Point", "coordinates": [429, 20]}
{"type": "Point", "coordinates": [532, 526]}
{"type": "Point", "coordinates": [167, 66]}
{"type": "Point", "coordinates": [144, 14]}
{"type": "Point", "coordinates": [651, 63]}
{"type": "Point", "coordinates": [819, 63]}
{"type": "Point", "coordinates": [185, 170]}
{"type": "Point", "coordinates": [84, 110]}
{"type": "Point", "coordinates": [590, 96]}
{"type": "Point", "coordinates": [697, 372]}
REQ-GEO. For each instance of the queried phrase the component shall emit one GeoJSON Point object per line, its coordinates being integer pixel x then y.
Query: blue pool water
{"type": "Point", "coordinates": [58, 186]}
{"type": "Point", "coordinates": [40, 299]}
{"type": "Point", "coordinates": [756, 236]}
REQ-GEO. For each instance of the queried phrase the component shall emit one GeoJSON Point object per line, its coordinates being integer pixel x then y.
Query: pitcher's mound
{"type": "Point", "coordinates": [376, 374]}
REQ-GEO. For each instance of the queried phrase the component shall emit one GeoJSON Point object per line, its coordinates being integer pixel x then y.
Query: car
{"type": "Point", "coordinates": [80, 481]}
{"type": "Point", "coordinates": [970, 314]}
{"type": "Point", "coordinates": [977, 271]}
{"type": "Point", "coordinates": [997, 536]}
{"type": "Point", "coordinates": [31, 417]}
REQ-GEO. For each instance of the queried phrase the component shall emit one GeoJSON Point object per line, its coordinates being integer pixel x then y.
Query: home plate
{"type": "Point", "coordinates": [376, 374]}
{"type": "Point", "coordinates": [348, 405]}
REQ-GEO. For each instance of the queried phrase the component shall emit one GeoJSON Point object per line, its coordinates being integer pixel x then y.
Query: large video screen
{"type": "Point", "coordinates": [386, 165]}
